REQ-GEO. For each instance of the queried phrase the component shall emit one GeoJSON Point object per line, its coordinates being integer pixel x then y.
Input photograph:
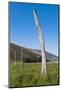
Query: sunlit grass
{"type": "Point", "coordinates": [30, 75]}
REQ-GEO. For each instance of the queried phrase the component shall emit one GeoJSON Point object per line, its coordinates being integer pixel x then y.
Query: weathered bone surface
{"type": "Point", "coordinates": [43, 68]}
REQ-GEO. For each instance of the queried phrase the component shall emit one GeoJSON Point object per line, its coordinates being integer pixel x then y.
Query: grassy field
{"type": "Point", "coordinates": [30, 75]}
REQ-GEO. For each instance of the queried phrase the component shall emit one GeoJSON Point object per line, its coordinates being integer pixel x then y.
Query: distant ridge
{"type": "Point", "coordinates": [31, 55]}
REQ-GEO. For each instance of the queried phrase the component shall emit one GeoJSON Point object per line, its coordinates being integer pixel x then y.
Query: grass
{"type": "Point", "coordinates": [30, 75]}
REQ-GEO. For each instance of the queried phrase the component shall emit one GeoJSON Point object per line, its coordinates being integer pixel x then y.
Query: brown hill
{"type": "Point", "coordinates": [28, 55]}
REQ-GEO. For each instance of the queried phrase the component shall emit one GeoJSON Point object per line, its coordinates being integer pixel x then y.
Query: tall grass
{"type": "Point", "coordinates": [30, 75]}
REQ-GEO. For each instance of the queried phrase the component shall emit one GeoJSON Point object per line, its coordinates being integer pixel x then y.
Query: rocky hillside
{"type": "Point", "coordinates": [28, 55]}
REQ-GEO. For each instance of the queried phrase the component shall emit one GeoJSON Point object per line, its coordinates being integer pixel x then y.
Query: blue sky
{"type": "Point", "coordinates": [23, 30]}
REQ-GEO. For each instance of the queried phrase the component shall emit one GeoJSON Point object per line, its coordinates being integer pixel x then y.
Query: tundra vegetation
{"type": "Point", "coordinates": [29, 74]}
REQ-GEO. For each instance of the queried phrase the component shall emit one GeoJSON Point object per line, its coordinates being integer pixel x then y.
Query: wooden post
{"type": "Point", "coordinates": [15, 58]}
{"type": "Point", "coordinates": [21, 58]}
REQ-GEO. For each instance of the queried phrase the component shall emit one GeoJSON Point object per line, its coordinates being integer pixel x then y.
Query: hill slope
{"type": "Point", "coordinates": [29, 55]}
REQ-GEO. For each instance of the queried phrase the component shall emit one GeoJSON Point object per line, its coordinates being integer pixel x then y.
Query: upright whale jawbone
{"type": "Point", "coordinates": [43, 67]}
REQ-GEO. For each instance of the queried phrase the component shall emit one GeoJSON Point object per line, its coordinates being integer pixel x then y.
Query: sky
{"type": "Point", "coordinates": [23, 30]}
